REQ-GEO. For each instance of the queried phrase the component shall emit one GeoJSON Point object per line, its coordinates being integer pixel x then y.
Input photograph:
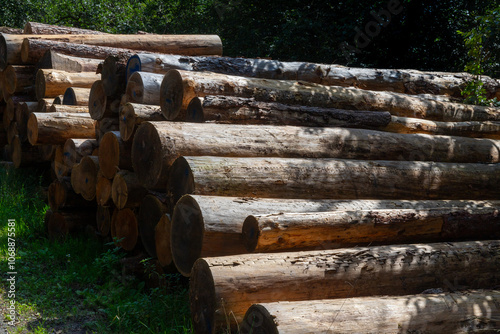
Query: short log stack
{"type": "Point", "coordinates": [297, 197]}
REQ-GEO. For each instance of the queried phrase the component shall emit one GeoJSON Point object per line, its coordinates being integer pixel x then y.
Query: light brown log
{"type": "Point", "coordinates": [103, 218]}
{"type": "Point", "coordinates": [60, 168]}
{"type": "Point", "coordinates": [238, 110]}
{"type": "Point", "coordinates": [157, 144]}
{"type": "Point", "coordinates": [456, 312]}
{"type": "Point", "coordinates": [58, 100]}
{"type": "Point", "coordinates": [23, 112]}
{"type": "Point", "coordinates": [87, 177]}
{"type": "Point", "coordinates": [133, 114]}
{"type": "Point", "coordinates": [162, 241]}
{"type": "Point", "coordinates": [466, 129]}
{"type": "Point", "coordinates": [179, 87]}
{"type": "Point", "coordinates": [105, 125]}
{"type": "Point", "coordinates": [19, 79]}
{"type": "Point", "coordinates": [402, 81]}
{"type": "Point", "coordinates": [124, 228]}
{"type": "Point", "coordinates": [36, 28]}
{"type": "Point", "coordinates": [126, 190]}
{"type": "Point", "coordinates": [225, 287]}
{"type": "Point", "coordinates": [144, 88]}
{"type": "Point", "coordinates": [308, 231]}
{"type": "Point", "coordinates": [100, 105]}
{"type": "Point", "coordinates": [151, 210]}
{"type": "Point", "coordinates": [56, 128]}
{"type": "Point", "coordinates": [76, 96]}
{"type": "Point", "coordinates": [114, 154]}
{"type": "Point", "coordinates": [62, 223]}
{"type": "Point", "coordinates": [51, 83]}
{"type": "Point", "coordinates": [113, 74]}
{"type": "Point", "coordinates": [61, 195]}
{"type": "Point", "coordinates": [23, 154]}
{"type": "Point", "coordinates": [68, 63]}
{"type": "Point", "coordinates": [74, 149]}
{"type": "Point", "coordinates": [103, 190]}
{"type": "Point", "coordinates": [69, 109]}
{"type": "Point", "coordinates": [205, 226]}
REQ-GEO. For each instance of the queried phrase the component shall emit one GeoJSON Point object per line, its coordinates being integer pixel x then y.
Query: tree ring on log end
{"type": "Point", "coordinates": [127, 121]}
{"type": "Point", "coordinates": [32, 129]}
{"type": "Point", "coordinates": [202, 298]}
{"type": "Point", "coordinates": [180, 180]}
{"type": "Point", "coordinates": [250, 233]}
{"type": "Point", "coordinates": [97, 101]}
{"type": "Point", "coordinates": [171, 94]}
{"type": "Point", "coordinates": [195, 111]}
{"type": "Point", "coordinates": [135, 88]}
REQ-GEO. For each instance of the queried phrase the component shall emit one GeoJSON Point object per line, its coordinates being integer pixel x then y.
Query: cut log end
{"type": "Point", "coordinates": [89, 167]}
{"type": "Point", "coordinates": [32, 129]}
{"type": "Point", "coordinates": [135, 88]}
{"type": "Point", "coordinates": [195, 112]}
{"type": "Point", "coordinates": [127, 121]}
{"type": "Point", "coordinates": [258, 320]}
{"type": "Point", "coordinates": [162, 241]}
{"type": "Point", "coordinates": [202, 298]}
{"type": "Point", "coordinates": [171, 94]}
{"type": "Point", "coordinates": [109, 78]}
{"type": "Point", "coordinates": [250, 233]}
{"type": "Point", "coordinates": [180, 180]}
{"type": "Point", "coordinates": [97, 101]}
{"type": "Point", "coordinates": [133, 65]}
{"type": "Point", "coordinates": [103, 217]}
{"type": "Point", "coordinates": [124, 229]}
{"type": "Point", "coordinates": [147, 163]}
{"type": "Point", "coordinates": [40, 84]}
{"type": "Point", "coordinates": [103, 191]}
{"type": "Point", "coordinates": [16, 151]}
{"type": "Point", "coordinates": [109, 153]}
{"type": "Point", "coordinates": [119, 191]}
{"type": "Point", "coordinates": [150, 213]}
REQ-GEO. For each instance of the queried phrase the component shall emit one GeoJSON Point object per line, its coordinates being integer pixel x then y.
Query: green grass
{"type": "Point", "coordinates": [77, 285]}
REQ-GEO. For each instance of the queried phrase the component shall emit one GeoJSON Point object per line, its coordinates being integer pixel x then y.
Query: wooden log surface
{"type": "Point", "coordinates": [59, 166]}
{"type": "Point", "coordinates": [179, 87]}
{"type": "Point", "coordinates": [75, 149]}
{"type": "Point", "coordinates": [68, 63]}
{"type": "Point", "coordinates": [100, 105]}
{"type": "Point", "coordinates": [113, 75]}
{"type": "Point", "coordinates": [126, 190]}
{"type": "Point", "coordinates": [238, 110]}
{"type": "Point", "coordinates": [76, 96]}
{"type": "Point", "coordinates": [47, 151]}
{"type": "Point", "coordinates": [162, 241]}
{"type": "Point", "coordinates": [23, 112]}
{"type": "Point", "coordinates": [157, 144]}
{"type": "Point", "coordinates": [23, 154]}
{"type": "Point", "coordinates": [103, 219]}
{"type": "Point", "coordinates": [144, 88]}
{"type": "Point", "coordinates": [61, 195]}
{"type": "Point", "coordinates": [51, 83]}
{"type": "Point", "coordinates": [114, 154]}
{"type": "Point", "coordinates": [124, 228]}
{"type": "Point", "coordinates": [204, 226]}
{"type": "Point", "coordinates": [19, 79]}
{"type": "Point", "coordinates": [87, 177]}
{"type": "Point", "coordinates": [151, 210]}
{"type": "Point", "coordinates": [105, 125]}
{"type": "Point", "coordinates": [62, 223]}
{"type": "Point", "coordinates": [133, 114]}
{"type": "Point", "coordinates": [103, 190]}
{"type": "Point", "coordinates": [69, 109]}
{"type": "Point", "coordinates": [225, 287]}
{"type": "Point", "coordinates": [36, 28]}
{"type": "Point", "coordinates": [455, 312]}
{"type": "Point", "coordinates": [56, 128]}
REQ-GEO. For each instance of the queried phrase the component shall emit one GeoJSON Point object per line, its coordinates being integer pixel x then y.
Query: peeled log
{"type": "Point", "coordinates": [225, 287]}
{"type": "Point", "coordinates": [402, 81]}
{"type": "Point", "coordinates": [144, 88]}
{"type": "Point", "coordinates": [126, 190]}
{"type": "Point", "coordinates": [75, 149]}
{"type": "Point", "coordinates": [36, 28]}
{"type": "Point", "coordinates": [157, 144]}
{"type": "Point", "coordinates": [56, 128]}
{"type": "Point", "coordinates": [62, 62]}
{"type": "Point", "coordinates": [162, 241]}
{"type": "Point", "coordinates": [336, 229]}
{"type": "Point", "coordinates": [133, 114]}
{"type": "Point", "coordinates": [151, 210]}
{"type": "Point", "coordinates": [114, 154]}
{"type": "Point", "coordinates": [457, 312]}
{"type": "Point", "coordinates": [19, 79]}
{"type": "Point", "coordinates": [179, 87]}
{"type": "Point", "coordinates": [100, 105]}
{"type": "Point", "coordinates": [124, 228]}
{"type": "Point", "coordinates": [51, 83]}
{"type": "Point", "coordinates": [69, 109]}
{"type": "Point", "coordinates": [204, 226]}
{"type": "Point", "coordinates": [239, 110]}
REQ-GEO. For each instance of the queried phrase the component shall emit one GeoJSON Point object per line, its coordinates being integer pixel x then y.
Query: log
{"type": "Point", "coordinates": [23, 112]}
{"type": "Point", "coordinates": [456, 312]}
{"type": "Point", "coordinates": [24, 155]}
{"type": "Point", "coordinates": [36, 28]}
{"type": "Point", "coordinates": [87, 177]}
{"type": "Point", "coordinates": [402, 81]}
{"type": "Point", "coordinates": [114, 154]}
{"type": "Point", "coordinates": [144, 88]}
{"type": "Point", "coordinates": [68, 109]}
{"type": "Point", "coordinates": [60, 168]}
{"type": "Point", "coordinates": [105, 125]}
{"type": "Point", "coordinates": [103, 218]}
{"type": "Point", "coordinates": [332, 178]}
{"type": "Point", "coordinates": [204, 226]}
{"type": "Point", "coordinates": [126, 190]}
{"type": "Point", "coordinates": [62, 62]}
{"type": "Point", "coordinates": [103, 190]}
{"type": "Point", "coordinates": [58, 100]}
{"type": "Point", "coordinates": [62, 223]}
{"type": "Point", "coordinates": [466, 129]}
{"type": "Point", "coordinates": [56, 128]}
{"type": "Point", "coordinates": [100, 105]}
{"type": "Point", "coordinates": [157, 144]}
{"type": "Point", "coordinates": [9, 30]}
{"type": "Point", "coordinates": [75, 177]}
{"type": "Point", "coordinates": [133, 114]}
{"type": "Point", "coordinates": [61, 195]}
{"type": "Point", "coordinates": [151, 210]}
{"type": "Point", "coordinates": [48, 151]}
{"type": "Point", "coordinates": [44, 104]}
{"type": "Point", "coordinates": [179, 87]}
{"type": "Point", "coordinates": [19, 79]}
{"type": "Point", "coordinates": [11, 105]}
{"type": "Point", "coordinates": [75, 149]}
{"type": "Point", "coordinates": [12, 131]}
{"type": "Point", "coordinates": [76, 96]}
{"type": "Point", "coordinates": [308, 231]}
{"type": "Point", "coordinates": [124, 228]}
{"type": "Point", "coordinates": [50, 83]}
{"type": "Point", "coordinates": [225, 287]}
{"type": "Point", "coordinates": [162, 241]}
{"type": "Point", "coordinates": [238, 110]}
{"type": "Point", "coordinates": [113, 74]}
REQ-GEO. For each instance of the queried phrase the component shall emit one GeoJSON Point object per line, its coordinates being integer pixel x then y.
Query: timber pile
{"type": "Point", "coordinates": [297, 197]}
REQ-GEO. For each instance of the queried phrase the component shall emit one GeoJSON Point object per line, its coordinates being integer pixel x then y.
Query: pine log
{"type": "Point", "coordinates": [114, 154]}
{"type": "Point", "coordinates": [162, 241]}
{"type": "Point", "coordinates": [76, 96]}
{"type": "Point", "coordinates": [466, 129]}
{"type": "Point", "coordinates": [100, 105]}
{"type": "Point", "coordinates": [75, 149]}
{"type": "Point", "coordinates": [225, 287]}
{"type": "Point", "coordinates": [60, 168]}
{"type": "Point", "coordinates": [308, 231]}
{"type": "Point", "coordinates": [87, 177]}
{"type": "Point", "coordinates": [133, 114]}
{"type": "Point", "coordinates": [61, 195]}
{"type": "Point", "coordinates": [126, 190]}
{"type": "Point", "coordinates": [144, 88]}
{"type": "Point", "coordinates": [157, 144]}
{"type": "Point", "coordinates": [103, 190]}
{"type": "Point", "coordinates": [56, 128]}
{"type": "Point", "coordinates": [151, 210]}
{"type": "Point", "coordinates": [24, 155]}
{"type": "Point", "coordinates": [50, 83]}
{"type": "Point", "coordinates": [113, 74]}
{"type": "Point", "coordinates": [36, 28]}
{"type": "Point", "coordinates": [23, 112]}
{"type": "Point", "coordinates": [402, 81]}
{"type": "Point", "coordinates": [124, 228]}
{"type": "Point", "coordinates": [62, 223]}
{"type": "Point", "coordinates": [68, 109]}
{"type": "Point", "coordinates": [332, 178]}
{"type": "Point", "coordinates": [103, 218]}
{"type": "Point", "coordinates": [62, 62]}
{"type": "Point", "coordinates": [105, 125]}
{"type": "Point", "coordinates": [456, 312]}
{"type": "Point", "coordinates": [238, 110]}
{"type": "Point", "coordinates": [211, 225]}
{"type": "Point", "coordinates": [19, 79]}
{"type": "Point", "coordinates": [179, 87]}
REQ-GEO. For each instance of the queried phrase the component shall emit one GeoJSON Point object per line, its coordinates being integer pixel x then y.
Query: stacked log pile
{"type": "Point", "coordinates": [295, 196]}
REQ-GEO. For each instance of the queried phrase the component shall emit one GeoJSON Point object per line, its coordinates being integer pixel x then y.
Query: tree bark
{"type": "Point", "coordinates": [87, 177]}
{"type": "Point", "coordinates": [100, 105]}
{"type": "Point", "coordinates": [36, 28]}
{"type": "Point", "coordinates": [225, 287]}
{"type": "Point", "coordinates": [457, 312]}
{"type": "Point", "coordinates": [204, 226]}
{"type": "Point", "coordinates": [19, 79]}
{"type": "Point", "coordinates": [162, 241]}
{"type": "Point", "coordinates": [133, 114]}
{"type": "Point", "coordinates": [62, 62]}
{"type": "Point", "coordinates": [237, 110]}
{"type": "Point", "coordinates": [126, 190]}
{"type": "Point", "coordinates": [68, 109]}
{"type": "Point", "coordinates": [76, 96]}
{"type": "Point", "coordinates": [157, 144]}
{"type": "Point", "coordinates": [144, 88]}
{"type": "Point", "coordinates": [56, 128]}
{"type": "Point", "coordinates": [336, 229]}
{"type": "Point", "coordinates": [51, 83]}
{"type": "Point", "coordinates": [179, 87]}
{"type": "Point", "coordinates": [75, 149]}
{"type": "Point", "coordinates": [151, 210]}
{"type": "Point", "coordinates": [124, 228]}
{"type": "Point", "coordinates": [114, 154]}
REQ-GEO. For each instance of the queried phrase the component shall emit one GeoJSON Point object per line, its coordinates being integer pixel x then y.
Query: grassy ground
{"type": "Point", "coordinates": [76, 285]}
